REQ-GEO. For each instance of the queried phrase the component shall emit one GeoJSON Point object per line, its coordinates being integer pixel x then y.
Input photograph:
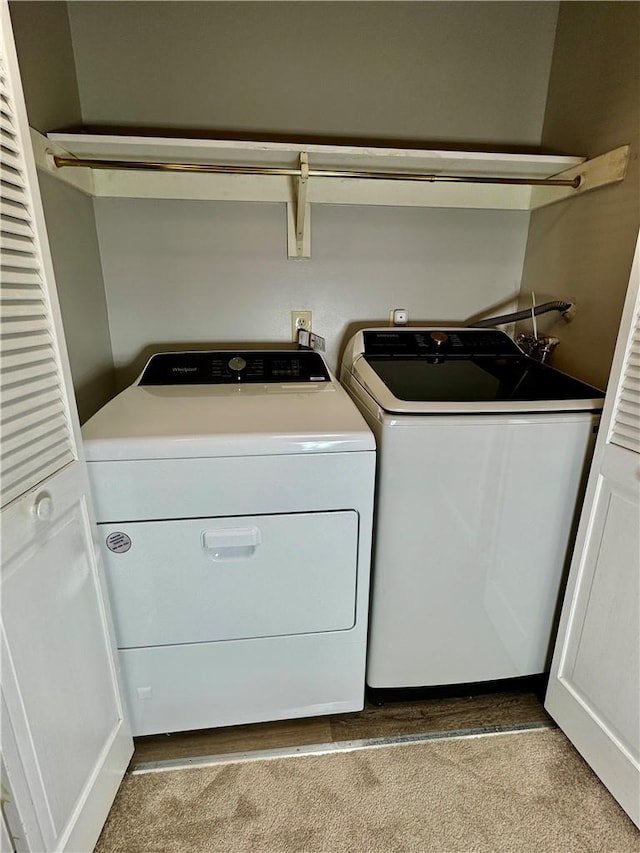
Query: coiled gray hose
{"type": "Point", "coordinates": [558, 305]}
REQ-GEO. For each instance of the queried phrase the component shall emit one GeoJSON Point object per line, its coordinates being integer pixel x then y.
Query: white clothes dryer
{"type": "Point", "coordinates": [482, 453]}
{"type": "Point", "coordinates": [234, 496]}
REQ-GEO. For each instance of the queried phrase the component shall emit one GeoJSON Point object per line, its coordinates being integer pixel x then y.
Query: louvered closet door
{"type": "Point", "coordinates": [594, 688]}
{"type": "Point", "coordinates": [36, 436]}
{"type": "Point", "coordinates": [65, 741]}
{"type": "Point", "coordinates": [625, 431]}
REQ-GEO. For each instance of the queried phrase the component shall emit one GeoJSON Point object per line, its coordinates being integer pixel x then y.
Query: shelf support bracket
{"type": "Point", "coordinates": [299, 215]}
{"type": "Point", "coordinates": [44, 151]}
{"type": "Point", "coordinates": [609, 168]}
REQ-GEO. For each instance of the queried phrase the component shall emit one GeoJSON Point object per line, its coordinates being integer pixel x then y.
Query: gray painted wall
{"type": "Point", "coordinates": [47, 64]}
{"type": "Point", "coordinates": [76, 261]}
{"type": "Point", "coordinates": [440, 72]}
{"type": "Point", "coordinates": [428, 72]}
{"type": "Point", "coordinates": [184, 273]}
{"type": "Point", "coordinates": [582, 249]}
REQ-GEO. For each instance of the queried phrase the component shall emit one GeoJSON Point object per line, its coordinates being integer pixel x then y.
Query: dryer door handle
{"type": "Point", "coordinates": [231, 543]}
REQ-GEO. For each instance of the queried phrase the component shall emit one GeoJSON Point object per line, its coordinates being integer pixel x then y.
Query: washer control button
{"type": "Point", "coordinates": [439, 338]}
{"type": "Point", "coordinates": [237, 363]}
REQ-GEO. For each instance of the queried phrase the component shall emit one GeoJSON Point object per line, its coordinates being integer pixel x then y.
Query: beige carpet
{"type": "Point", "coordinates": [516, 793]}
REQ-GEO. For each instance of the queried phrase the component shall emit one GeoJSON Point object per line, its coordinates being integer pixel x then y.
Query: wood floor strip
{"type": "Point", "coordinates": [387, 721]}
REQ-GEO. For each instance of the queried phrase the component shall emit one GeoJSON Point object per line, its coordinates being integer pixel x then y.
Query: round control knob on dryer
{"type": "Point", "coordinates": [237, 363]}
{"type": "Point", "coordinates": [439, 338]}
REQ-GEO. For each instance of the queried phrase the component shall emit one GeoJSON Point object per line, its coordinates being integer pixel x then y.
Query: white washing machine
{"type": "Point", "coordinates": [234, 495]}
{"type": "Point", "coordinates": [481, 457]}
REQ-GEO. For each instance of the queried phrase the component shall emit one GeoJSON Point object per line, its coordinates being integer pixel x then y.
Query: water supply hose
{"type": "Point", "coordinates": [558, 305]}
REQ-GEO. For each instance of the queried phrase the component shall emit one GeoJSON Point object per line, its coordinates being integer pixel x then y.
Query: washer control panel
{"type": "Point", "coordinates": [231, 367]}
{"type": "Point", "coordinates": [463, 343]}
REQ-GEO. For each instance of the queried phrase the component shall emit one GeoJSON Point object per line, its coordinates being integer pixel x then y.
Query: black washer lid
{"type": "Point", "coordinates": [476, 380]}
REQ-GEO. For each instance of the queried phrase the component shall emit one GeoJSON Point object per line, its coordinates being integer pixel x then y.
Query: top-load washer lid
{"type": "Point", "coordinates": [228, 403]}
{"type": "Point", "coordinates": [432, 370]}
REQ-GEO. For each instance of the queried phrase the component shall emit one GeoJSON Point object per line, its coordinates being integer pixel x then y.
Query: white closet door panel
{"type": "Point", "coordinates": [44, 462]}
{"type": "Point", "coordinates": [11, 211]}
{"type": "Point", "coordinates": [37, 430]}
{"type": "Point", "coordinates": [21, 258]}
{"type": "Point", "coordinates": [625, 431]}
{"type": "Point", "coordinates": [7, 128]}
{"type": "Point", "coordinates": [601, 663]}
{"type": "Point", "coordinates": [12, 276]}
{"type": "Point", "coordinates": [21, 367]}
{"type": "Point", "coordinates": [10, 156]}
{"type": "Point", "coordinates": [12, 190]}
{"type": "Point", "coordinates": [13, 226]}
{"type": "Point", "coordinates": [594, 686]}
{"type": "Point", "coordinates": [43, 339]}
{"type": "Point", "coordinates": [13, 241]}
{"type": "Point", "coordinates": [65, 667]}
{"type": "Point", "coordinates": [65, 740]}
{"type": "Point", "coordinates": [30, 415]}
{"type": "Point", "coordinates": [33, 386]}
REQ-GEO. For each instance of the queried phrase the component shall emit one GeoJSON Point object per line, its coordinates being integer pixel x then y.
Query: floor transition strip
{"type": "Point", "coordinates": [330, 747]}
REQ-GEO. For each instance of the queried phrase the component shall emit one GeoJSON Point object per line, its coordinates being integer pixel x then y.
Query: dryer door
{"type": "Point", "coordinates": [240, 577]}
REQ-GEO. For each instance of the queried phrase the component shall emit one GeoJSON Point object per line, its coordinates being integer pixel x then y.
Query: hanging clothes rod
{"type": "Point", "coordinates": [144, 165]}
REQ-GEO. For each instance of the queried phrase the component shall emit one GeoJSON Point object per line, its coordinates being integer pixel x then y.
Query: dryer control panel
{"type": "Point", "coordinates": [230, 367]}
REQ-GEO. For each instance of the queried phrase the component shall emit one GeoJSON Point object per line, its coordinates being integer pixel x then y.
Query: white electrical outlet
{"type": "Point", "coordinates": [399, 317]}
{"type": "Point", "coordinates": [300, 320]}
